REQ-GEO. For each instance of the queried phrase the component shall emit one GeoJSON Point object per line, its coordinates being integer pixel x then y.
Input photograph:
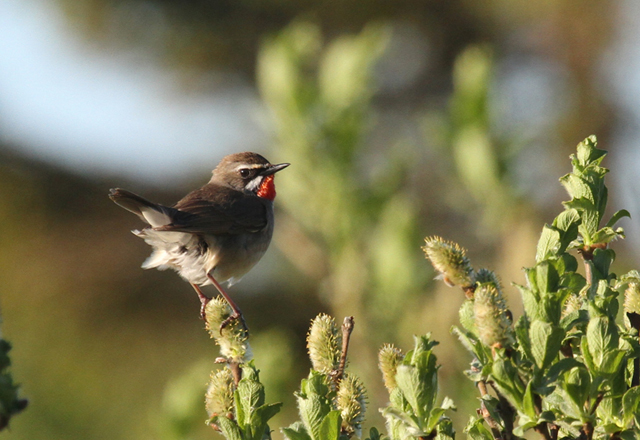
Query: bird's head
{"type": "Point", "coordinates": [248, 172]}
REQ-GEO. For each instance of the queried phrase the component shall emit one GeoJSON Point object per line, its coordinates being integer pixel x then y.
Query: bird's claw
{"type": "Point", "coordinates": [203, 309]}
{"type": "Point", "coordinates": [236, 316]}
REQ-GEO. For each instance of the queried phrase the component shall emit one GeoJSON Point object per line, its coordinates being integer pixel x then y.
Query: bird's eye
{"type": "Point", "coordinates": [245, 172]}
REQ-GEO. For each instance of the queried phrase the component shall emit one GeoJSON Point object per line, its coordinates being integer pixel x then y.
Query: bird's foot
{"type": "Point", "coordinates": [235, 316]}
{"type": "Point", "coordinates": [203, 307]}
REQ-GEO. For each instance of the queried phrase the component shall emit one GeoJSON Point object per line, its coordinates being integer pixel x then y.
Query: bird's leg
{"type": "Point", "coordinates": [204, 299]}
{"type": "Point", "coordinates": [237, 313]}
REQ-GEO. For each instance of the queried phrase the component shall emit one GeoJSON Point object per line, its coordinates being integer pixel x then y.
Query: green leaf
{"type": "Point", "coordinates": [464, 338]}
{"type": "Point", "coordinates": [374, 434]}
{"type": "Point", "coordinates": [530, 300]}
{"type": "Point", "coordinates": [560, 368]}
{"type": "Point", "coordinates": [607, 235]}
{"type": "Point", "coordinates": [576, 382]}
{"type": "Point", "coordinates": [467, 317]}
{"type": "Point", "coordinates": [631, 406]}
{"type": "Point", "coordinates": [528, 404]}
{"type": "Point", "coordinates": [437, 413]}
{"type": "Point", "coordinates": [259, 419]}
{"type": "Point", "coordinates": [548, 244]}
{"type": "Point", "coordinates": [630, 434]}
{"type": "Point", "coordinates": [546, 277]}
{"type": "Point", "coordinates": [506, 378]}
{"type": "Point", "coordinates": [602, 196]}
{"type": "Point", "coordinates": [565, 264]}
{"type": "Point", "coordinates": [612, 361]}
{"type": "Point", "coordinates": [615, 218]}
{"type": "Point", "coordinates": [229, 428]}
{"type": "Point", "coordinates": [313, 402]}
{"type": "Point", "coordinates": [434, 418]}
{"type": "Point", "coordinates": [602, 338]}
{"type": "Point", "coordinates": [296, 432]}
{"type": "Point", "coordinates": [330, 427]}
{"type": "Point", "coordinates": [633, 276]}
{"type": "Point", "coordinates": [579, 190]}
{"type": "Point", "coordinates": [589, 226]}
{"type": "Point", "coordinates": [242, 409]}
{"type": "Point", "coordinates": [249, 395]}
{"type": "Point", "coordinates": [551, 306]}
{"type": "Point", "coordinates": [522, 335]}
{"type": "Point", "coordinates": [266, 412]}
{"type": "Point", "coordinates": [567, 223]}
{"type": "Point", "coordinates": [574, 282]}
{"type": "Point", "coordinates": [546, 340]}
{"type": "Point", "coordinates": [574, 319]}
{"type": "Point", "coordinates": [421, 354]}
{"type": "Point", "coordinates": [471, 343]}
{"type": "Point", "coordinates": [448, 403]}
{"type": "Point", "coordinates": [417, 389]}
{"type": "Point", "coordinates": [409, 421]}
{"type": "Point", "coordinates": [586, 354]}
{"type": "Point", "coordinates": [476, 430]}
{"type": "Point", "coordinates": [445, 430]}
{"type": "Point", "coordinates": [581, 205]}
{"type": "Point", "coordinates": [587, 153]}
{"type": "Point", "coordinates": [530, 273]}
{"type": "Point", "coordinates": [602, 259]}
{"type": "Point", "coordinates": [524, 424]}
{"type": "Point", "coordinates": [313, 410]}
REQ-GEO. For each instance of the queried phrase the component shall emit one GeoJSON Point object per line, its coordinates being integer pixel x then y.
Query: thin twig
{"type": "Point", "coordinates": [587, 255]}
{"type": "Point", "coordinates": [469, 291]}
{"type": "Point", "coordinates": [543, 430]}
{"type": "Point", "coordinates": [482, 387]}
{"type": "Point", "coordinates": [596, 402]}
{"type": "Point", "coordinates": [236, 372]}
{"type": "Point", "coordinates": [431, 435]}
{"type": "Point", "coordinates": [508, 413]}
{"type": "Point", "coordinates": [566, 350]}
{"type": "Point", "coordinates": [586, 432]}
{"type": "Point", "coordinates": [553, 431]}
{"type": "Point", "coordinates": [588, 273]}
{"type": "Point", "coordinates": [234, 367]}
{"type": "Point", "coordinates": [486, 415]}
{"type": "Point", "coordinates": [484, 412]}
{"type": "Point", "coordinates": [347, 328]}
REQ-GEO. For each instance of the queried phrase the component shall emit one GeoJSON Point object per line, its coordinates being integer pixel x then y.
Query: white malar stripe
{"type": "Point", "coordinates": [254, 184]}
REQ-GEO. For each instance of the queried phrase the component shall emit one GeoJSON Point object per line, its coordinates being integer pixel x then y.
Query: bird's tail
{"type": "Point", "coordinates": [152, 213]}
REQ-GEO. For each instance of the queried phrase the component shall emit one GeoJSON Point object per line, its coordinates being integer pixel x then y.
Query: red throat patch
{"type": "Point", "coordinates": [267, 188]}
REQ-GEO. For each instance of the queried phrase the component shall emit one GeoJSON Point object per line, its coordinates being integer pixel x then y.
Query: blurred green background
{"type": "Point", "coordinates": [401, 120]}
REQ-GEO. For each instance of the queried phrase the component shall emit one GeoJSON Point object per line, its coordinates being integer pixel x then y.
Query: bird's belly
{"type": "Point", "coordinates": [193, 257]}
{"type": "Point", "coordinates": [237, 254]}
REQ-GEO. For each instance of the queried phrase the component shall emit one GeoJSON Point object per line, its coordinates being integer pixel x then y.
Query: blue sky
{"type": "Point", "coordinates": [64, 100]}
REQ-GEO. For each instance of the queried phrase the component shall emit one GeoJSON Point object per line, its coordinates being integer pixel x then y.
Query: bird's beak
{"type": "Point", "coordinates": [272, 169]}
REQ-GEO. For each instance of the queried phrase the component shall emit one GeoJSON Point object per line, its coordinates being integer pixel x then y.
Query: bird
{"type": "Point", "coordinates": [215, 234]}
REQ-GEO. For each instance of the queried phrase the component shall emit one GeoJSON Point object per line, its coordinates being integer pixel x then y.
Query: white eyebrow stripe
{"type": "Point", "coordinates": [251, 167]}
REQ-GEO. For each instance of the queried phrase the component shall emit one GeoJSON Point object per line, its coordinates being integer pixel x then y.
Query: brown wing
{"type": "Point", "coordinates": [149, 212]}
{"type": "Point", "coordinates": [218, 210]}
